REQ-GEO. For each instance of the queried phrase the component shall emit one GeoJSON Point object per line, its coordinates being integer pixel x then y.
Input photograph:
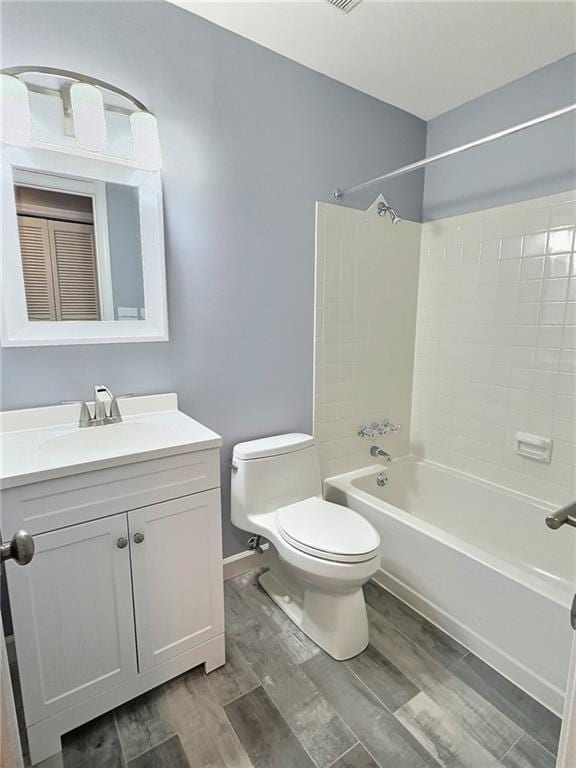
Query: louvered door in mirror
{"type": "Point", "coordinates": [83, 251]}
{"type": "Point", "coordinates": [60, 271]}
{"type": "Point", "coordinates": [37, 268]}
{"type": "Point", "coordinates": [75, 271]}
{"type": "Point", "coordinates": [80, 248]}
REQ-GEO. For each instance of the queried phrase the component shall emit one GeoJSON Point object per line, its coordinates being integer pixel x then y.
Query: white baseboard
{"type": "Point", "coordinates": [235, 565]}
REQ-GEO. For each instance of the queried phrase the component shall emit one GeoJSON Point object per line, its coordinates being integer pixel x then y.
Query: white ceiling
{"type": "Point", "coordinates": [423, 56]}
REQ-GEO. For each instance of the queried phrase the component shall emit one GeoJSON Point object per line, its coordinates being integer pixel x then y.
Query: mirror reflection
{"type": "Point", "coordinates": [80, 247]}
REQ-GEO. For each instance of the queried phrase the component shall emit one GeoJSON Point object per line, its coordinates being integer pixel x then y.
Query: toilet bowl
{"type": "Point", "coordinates": [322, 553]}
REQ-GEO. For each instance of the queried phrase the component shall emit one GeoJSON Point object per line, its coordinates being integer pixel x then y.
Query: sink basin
{"type": "Point", "coordinates": [125, 436]}
{"type": "Point", "coordinates": [38, 444]}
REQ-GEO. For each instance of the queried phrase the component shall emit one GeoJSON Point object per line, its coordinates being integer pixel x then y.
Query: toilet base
{"type": "Point", "coordinates": [337, 622]}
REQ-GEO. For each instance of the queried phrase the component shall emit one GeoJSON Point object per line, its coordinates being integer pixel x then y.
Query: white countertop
{"type": "Point", "coordinates": [44, 443]}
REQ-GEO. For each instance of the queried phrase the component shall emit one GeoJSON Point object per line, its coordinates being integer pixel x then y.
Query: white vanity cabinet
{"type": "Point", "coordinates": [174, 571]}
{"type": "Point", "coordinates": [73, 618]}
{"type": "Point", "coordinates": [124, 592]}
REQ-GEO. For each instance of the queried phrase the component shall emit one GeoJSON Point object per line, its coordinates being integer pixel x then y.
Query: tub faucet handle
{"type": "Point", "coordinates": [378, 429]}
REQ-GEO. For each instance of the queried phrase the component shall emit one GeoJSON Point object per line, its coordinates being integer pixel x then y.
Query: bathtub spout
{"type": "Point", "coordinates": [381, 454]}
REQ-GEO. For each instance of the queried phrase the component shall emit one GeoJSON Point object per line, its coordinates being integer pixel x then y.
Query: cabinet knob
{"type": "Point", "coordinates": [138, 538]}
{"type": "Point", "coordinates": [122, 542]}
{"type": "Point", "coordinates": [20, 548]}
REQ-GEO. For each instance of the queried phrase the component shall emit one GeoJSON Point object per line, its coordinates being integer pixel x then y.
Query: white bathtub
{"type": "Point", "coordinates": [478, 561]}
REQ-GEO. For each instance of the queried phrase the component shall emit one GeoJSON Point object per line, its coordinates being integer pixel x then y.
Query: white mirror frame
{"type": "Point", "coordinates": [17, 330]}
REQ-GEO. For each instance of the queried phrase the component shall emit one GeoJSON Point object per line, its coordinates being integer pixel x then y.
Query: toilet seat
{"type": "Point", "coordinates": [328, 531]}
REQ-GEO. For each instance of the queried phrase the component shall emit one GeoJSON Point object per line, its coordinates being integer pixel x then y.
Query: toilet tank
{"type": "Point", "coordinates": [270, 473]}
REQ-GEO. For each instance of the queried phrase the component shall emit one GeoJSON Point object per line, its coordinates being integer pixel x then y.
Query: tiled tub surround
{"type": "Point", "coordinates": [496, 344]}
{"type": "Point", "coordinates": [366, 290]}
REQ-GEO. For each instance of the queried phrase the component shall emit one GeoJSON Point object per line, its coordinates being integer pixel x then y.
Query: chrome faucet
{"type": "Point", "coordinates": [106, 408]}
{"type": "Point", "coordinates": [381, 454]}
{"type": "Point", "coordinates": [102, 403]}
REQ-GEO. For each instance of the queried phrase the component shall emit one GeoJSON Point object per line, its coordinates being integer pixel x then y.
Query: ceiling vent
{"type": "Point", "coordinates": [345, 5]}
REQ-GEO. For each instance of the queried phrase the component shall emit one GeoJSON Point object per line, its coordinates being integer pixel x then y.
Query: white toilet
{"type": "Point", "coordinates": [324, 552]}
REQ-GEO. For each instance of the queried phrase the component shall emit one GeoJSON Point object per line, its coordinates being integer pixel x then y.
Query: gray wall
{"type": "Point", "coordinates": [250, 141]}
{"type": "Point", "coordinates": [122, 205]}
{"type": "Point", "coordinates": [536, 162]}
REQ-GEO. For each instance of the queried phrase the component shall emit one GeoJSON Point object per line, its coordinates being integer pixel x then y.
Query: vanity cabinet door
{"type": "Point", "coordinates": [177, 576]}
{"type": "Point", "coordinates": [73, 619]}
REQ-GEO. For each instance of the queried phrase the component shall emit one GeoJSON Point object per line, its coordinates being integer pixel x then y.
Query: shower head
{"type": "Point", "coordinates": [384, 208]}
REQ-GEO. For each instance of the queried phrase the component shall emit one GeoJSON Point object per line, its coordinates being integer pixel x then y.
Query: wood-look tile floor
{"type": "Point", "coordinates": [414, 699]}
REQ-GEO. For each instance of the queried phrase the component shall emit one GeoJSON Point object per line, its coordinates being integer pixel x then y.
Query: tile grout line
{"type": "Point", "coordinates": [286, 723]}
{"type": "Point", "coordinates": [459, 662]}
{"type": "Point", "coordinates": [532, 738]}
{"type": "Point", "coordinates": [379, 700]}
{"type": "Point", "coordinates": [342, 755]}
{"type": "Point", "coordinates": [420, 690]}
{"type": "Point", "coordinates": [145, 752]}
{"type": "Point", "coordinates": [468, 731]}
{"type": "Point", "coordinates": [231, 701]}
{"type": "Point", "coordinates": [372, 756]}
{"type": "Point", "coordinates": [415, 644]}
{"type": "Point", "coordinates": [222, 707]}
{"type": "Point", "coordinates": [422, 620]}
{"type": "Point", "coordinates": [429, 693]}
{"type": "Point", "coordinates": [555, 756]}
{"type": "Point", "coordinates": [393, 713]}
{"type": "Point", "coordinates": [259, 683]}
{"type": "Point", "coordinates": [455, 663]}
{"type": "Point", "coordinates": [263, 687]}
{"type": "Point", "coordinates": [122, 753]}
{"type": "Point", "coordinates": [370, 691]}
{"type": "Point", "coordinates": [449, 667]}
{"type": "Point", "coordinates": [510, 748]}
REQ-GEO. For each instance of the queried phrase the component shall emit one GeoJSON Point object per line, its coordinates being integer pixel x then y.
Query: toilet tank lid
{"type": "Point", "coordinates": [272, 446]}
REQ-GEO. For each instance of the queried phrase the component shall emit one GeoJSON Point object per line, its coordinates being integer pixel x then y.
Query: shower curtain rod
{"type": "Point", "coordinates": [339, 193]}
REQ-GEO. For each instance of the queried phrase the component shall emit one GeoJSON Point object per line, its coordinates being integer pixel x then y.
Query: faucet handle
{"type": "Point", "coordinates": [85, 415]}
{"type": "Point", "coordinates": [115, 408]}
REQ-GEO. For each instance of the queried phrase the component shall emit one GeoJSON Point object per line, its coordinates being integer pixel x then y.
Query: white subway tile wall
{"type": "Point", "coordinates": [496, 344]}
{"type": "Point", "coordinates": [366, 290]}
